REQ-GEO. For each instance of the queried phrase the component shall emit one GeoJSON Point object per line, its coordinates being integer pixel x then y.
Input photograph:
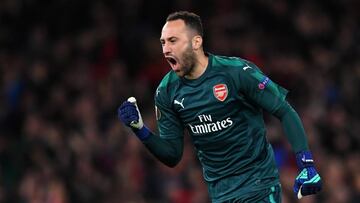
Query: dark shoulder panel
{"type": "Point", "coordinates": [164, 91]}
{"type": "Point", "coordinates": [168, 79]}
{"type": "Point", "coordinates": [225, 61]}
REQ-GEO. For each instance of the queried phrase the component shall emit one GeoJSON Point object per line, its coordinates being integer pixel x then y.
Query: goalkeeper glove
{"type": "Point", "coordinates": [308, 181]}
{"type": "Point", "coordinates": [129, 114]}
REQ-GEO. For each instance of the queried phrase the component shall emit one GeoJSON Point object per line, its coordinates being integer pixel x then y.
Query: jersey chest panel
{"type": "Point", "coordinates": [207, 108]}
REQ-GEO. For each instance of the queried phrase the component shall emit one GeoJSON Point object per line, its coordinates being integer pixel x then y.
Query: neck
{"type": "Point", "coordinates": [200, 67]}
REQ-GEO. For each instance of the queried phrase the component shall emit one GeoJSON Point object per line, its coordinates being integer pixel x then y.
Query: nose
{"type": "Point", "coordinates": [166, 49]}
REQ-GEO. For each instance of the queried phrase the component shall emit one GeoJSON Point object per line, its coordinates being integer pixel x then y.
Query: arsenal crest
{"type": "Point", "coordinates": [220, 92]}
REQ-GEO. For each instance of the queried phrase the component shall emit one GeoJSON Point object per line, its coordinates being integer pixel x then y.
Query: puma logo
{"type": "Point", "coordinates": [303, 159]}
{"type": "Point", "coordinates": [179, 103]}
{"type": "Point", "coordinates": [246, 67]}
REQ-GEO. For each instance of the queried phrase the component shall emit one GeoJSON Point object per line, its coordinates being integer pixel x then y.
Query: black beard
{"type": "Point", "coordinates": [189, 61]}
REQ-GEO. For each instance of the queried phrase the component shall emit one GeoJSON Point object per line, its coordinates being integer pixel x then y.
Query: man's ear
{"type": "Point", "coordinates": [197, 42]}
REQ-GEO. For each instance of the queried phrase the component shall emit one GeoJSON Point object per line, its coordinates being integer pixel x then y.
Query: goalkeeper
{"type": "Point", "coordinates": [219, 101]}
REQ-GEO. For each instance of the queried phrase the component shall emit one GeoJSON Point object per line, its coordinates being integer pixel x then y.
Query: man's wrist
{"type": "Point", "coordinates": [304, 159]}
{"type": "Point", "coordinates": [142, 133]}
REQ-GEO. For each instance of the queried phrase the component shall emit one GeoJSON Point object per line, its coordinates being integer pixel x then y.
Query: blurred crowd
{"type": "Point", "coordinates": [65, 67]}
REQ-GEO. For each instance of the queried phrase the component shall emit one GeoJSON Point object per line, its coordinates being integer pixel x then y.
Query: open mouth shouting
{"type": "Point", "coordinates": [173, 63]}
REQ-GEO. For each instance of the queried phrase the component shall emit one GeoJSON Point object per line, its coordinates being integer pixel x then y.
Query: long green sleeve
{"type": "Point", "coordinates": [293, 127]}
{"type": "Point", "coordinates": [168, 151]}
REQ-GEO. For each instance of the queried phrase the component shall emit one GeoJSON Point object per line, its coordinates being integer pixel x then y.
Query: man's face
{"type": "Point", "coordinates": [177, 47]}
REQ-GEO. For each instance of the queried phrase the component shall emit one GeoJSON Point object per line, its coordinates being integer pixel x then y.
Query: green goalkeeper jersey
{"type": "Point", "coordinates": [222, 111]}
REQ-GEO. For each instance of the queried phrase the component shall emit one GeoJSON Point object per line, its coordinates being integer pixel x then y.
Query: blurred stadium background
{"type": "Point", "coordinates": [66, 65]}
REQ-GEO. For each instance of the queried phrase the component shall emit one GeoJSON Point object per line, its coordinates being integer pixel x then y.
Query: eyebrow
{"type": "Point", "coordinates": [169, 38]}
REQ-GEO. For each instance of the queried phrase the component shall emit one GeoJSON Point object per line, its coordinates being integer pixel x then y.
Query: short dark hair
{"type": "Point", "coordinates": [191, 20]}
